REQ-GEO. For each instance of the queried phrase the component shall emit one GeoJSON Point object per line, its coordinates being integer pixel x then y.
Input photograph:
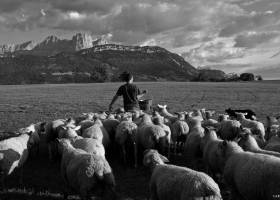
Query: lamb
{"type": "Point", "coordinates": [14, 151]}
{"type": "Point", "coordinates": [228, 129]}
{"type": "Point", "coordinates": [170, 182]}
{"type": "Point", "coordinates": [249, 175]}
{"type": "Point", "coordinates": [273, 144]}
{"type": "Point", "coordinates": [192, 152]}
{"type": "Point", "coordinates": [85, 172]}
{"type": "Point", "coordinates": [209, 146]}
{"type": "Point", "coordinates": [126, 138]}
{"type": "Point", "coordinates": [256, 127]}
{"type": "Point", "coordinates": [150, 135]}
{"type": "Point", "coordinates": [249, 143]}
{"type": "Point", "coordinates": [97, 131]}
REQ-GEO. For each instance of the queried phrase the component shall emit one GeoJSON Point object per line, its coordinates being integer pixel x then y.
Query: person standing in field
{"type": "Point", "coordinates": [130, 93]}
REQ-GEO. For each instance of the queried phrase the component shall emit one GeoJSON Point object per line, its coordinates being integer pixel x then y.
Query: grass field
{"type": "Point", "coordinates": [25, 104]}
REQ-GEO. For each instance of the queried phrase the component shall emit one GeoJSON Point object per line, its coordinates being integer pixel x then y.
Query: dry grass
{"type": "Point", "coordinates": [25, 104]}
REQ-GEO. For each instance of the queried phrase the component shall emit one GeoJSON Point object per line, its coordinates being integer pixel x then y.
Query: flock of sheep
{"type": "Point", "coordinates": [233, 149]}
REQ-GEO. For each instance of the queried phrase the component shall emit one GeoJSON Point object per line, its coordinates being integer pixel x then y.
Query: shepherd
{"type": "Point", "coordinates": [130, 93]}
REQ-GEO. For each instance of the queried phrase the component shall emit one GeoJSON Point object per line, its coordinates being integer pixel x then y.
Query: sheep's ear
{"type": "Point", "coordinates": [163, 158]}
{"type": "Point", "coordinates": [77, 128]}
{"type": "Point", "coordinates": [207, 129]}
{"type": "Point", "coordinates": [165, 106]}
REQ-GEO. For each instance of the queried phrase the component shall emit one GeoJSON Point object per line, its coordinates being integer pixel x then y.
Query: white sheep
{"type": "Point", "coordinates": [126, 137]}
{"type": "Point", "coordinates": [164, 112]}
{"type": "Point", "coordinates": [51, 134]}
{"type": "Point", "coordinates": [250, 176]}
{"type": "Point", "coordinates": [84, 172]}
{"type": "Point", "coordinates": [180, 130]}
{"type": "Point", "coordinates": [273, 127]}
{"type": "Point", "coordinates": [208, 121]}
{"type": "Point", "coordinates": [169, 182]}
{"type": "Point", "coordinates": [159, 120]}
{"type": "Point", "coordinates": [256, 127]}
{"type": "Point", "coordinates": [90, 145]}
{"type": "Point", "coordinates": [97, 131]}
{"type": "Point", "coordinates": [150, 135]}
{"type": "Point", "coordinates": [209, 146]}
{"type": "Point", "coordinates": [249, 143]}
{"type": "Point", "coordinates": [14, 151]}
{"type": "Point", "coordinates": [192, 151]}
{"type": "Point", "coordinates": [228, 129]}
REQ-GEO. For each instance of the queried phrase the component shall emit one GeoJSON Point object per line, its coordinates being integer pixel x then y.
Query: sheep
{"type": "Point", "coordinates": [249, 114]}
{"type": "Point", "coordinates": [150, 135]}
{"type": "Point", "coordinates": [111, 125]}
{"type": "Point", "coordinates": [51, 134]}
{"type": "Point", "coordinates": [180, 130]}
{"type": "Point", "coordinates": [228, 129]}
{"type": "Point", "coordinates": [163, 111]}
{"type": "Point", "coordinates": [256, 127]}
{"type": "Point", "coordinates": [249, 175]}
{"type": "Point", "coordinates": [97, 131]}
{"type": "Point", "coordinates": [14, 151]}
{"type": "Point", "coordinates": [208, 121]}
{"type": "Point", "coordinates": [90, 145]}
{"type": "Point", "coordinates": [160, 122]}
{"type": "Point", "coordinates": [249, 143]}
{"type": "Point", "coordinates": [170, 182]}
{"type": "Point", "coordinates": [273, 127]}
{"type": "Point", "coordinates": [192, 152]}
{"type": "Point", "coordinates": [126, 137]}
{"type": "Point", "coordinates": [273, 144]}
{"type": "Point", "coordinates": [209, 146]}
{"type": "Point", "coordinates": [84, 172]}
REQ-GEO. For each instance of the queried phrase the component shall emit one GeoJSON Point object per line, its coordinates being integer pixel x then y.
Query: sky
{"type": "Point", "coordinates": [235, 36]}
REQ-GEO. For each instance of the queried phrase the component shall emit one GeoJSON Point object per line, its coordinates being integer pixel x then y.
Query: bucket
{"type": "Point", "coordinates": [145, 104]}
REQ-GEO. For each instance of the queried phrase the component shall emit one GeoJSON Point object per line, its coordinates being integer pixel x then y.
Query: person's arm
{"type": "Point", "coordinates": [115, 98]}
{"type": "Point", "coordinates": [140, 95]}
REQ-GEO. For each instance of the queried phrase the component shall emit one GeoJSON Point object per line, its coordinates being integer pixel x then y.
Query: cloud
{"type": "Point", "coordinates": [214, 52]}
{"type": "Point", "coordinates": [253, 39]}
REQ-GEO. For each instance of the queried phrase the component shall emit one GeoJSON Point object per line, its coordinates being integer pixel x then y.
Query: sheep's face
{"type": "Point", "coordinates": [152, 157]}
{"type": "Point", "coordinates": [240, 116]}
{"type": "Point", "coordinates": [68, 132]}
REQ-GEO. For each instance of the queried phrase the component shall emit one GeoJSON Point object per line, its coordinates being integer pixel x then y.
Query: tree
{"type": "Point", "coordinates": [247, 77]}
{"type": "Point", "coordinates": [259, 78]}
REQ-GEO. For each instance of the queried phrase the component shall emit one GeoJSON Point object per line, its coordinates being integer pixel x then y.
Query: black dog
{"type": "Point", "coordinates": [249, 113]}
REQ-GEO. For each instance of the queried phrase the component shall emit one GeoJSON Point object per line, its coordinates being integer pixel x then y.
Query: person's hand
{"type": "Point", "coordinates": [110, 108]}
{"type": "Point", "coordinates": [144, 91]}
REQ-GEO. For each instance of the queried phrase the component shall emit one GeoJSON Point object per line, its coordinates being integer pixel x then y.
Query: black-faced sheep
{"type": "Point", "coordinates": [84, 172]}
{"type": "Point", "coordinates": [169, 182]}
{"type": "Point", "coordinates": [249, 175]}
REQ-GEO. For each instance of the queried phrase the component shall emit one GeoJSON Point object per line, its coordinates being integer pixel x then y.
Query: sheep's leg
{"type": "Point", "coordinates": [168, 150]}
{"type": "Point", "coordinates": [124, 155]}
{"type": "Point", "coordinates": [21, 176]}
{"type": "Point", "coordinates": [175, 146]}
{"type": "Point", "coordinates": [3, 182]}
{"type": "Point", "coordinates": [135, 155]}
{"type": "Point", "coordinates": [50, 152]}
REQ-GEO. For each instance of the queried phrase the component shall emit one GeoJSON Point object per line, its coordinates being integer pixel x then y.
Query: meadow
{"type": "Point", "coordinates": [21, 105]}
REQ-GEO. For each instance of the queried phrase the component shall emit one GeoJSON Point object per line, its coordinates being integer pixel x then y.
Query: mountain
{"type": "Point", "coordinates": [97, 64]}
{"type": "Point", "coordinates": [52, 45]}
